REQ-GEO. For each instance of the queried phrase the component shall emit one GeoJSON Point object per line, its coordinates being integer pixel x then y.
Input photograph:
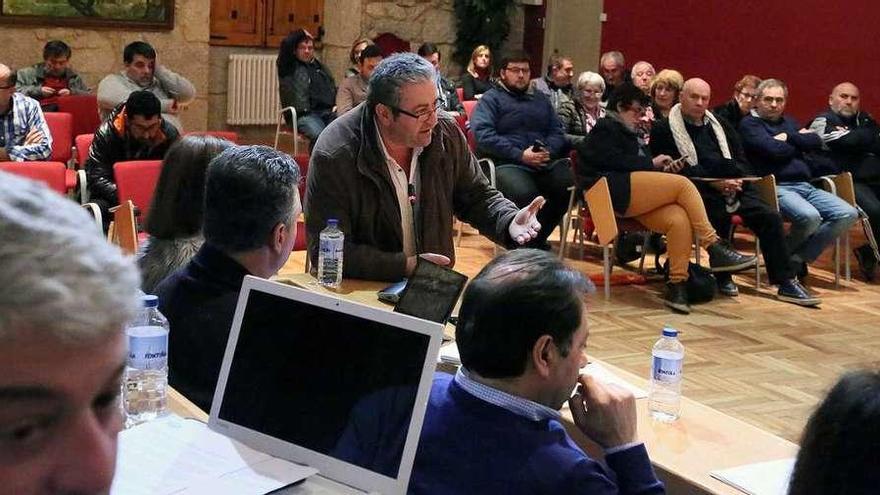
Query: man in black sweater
{"type": "Point", "coordinates": [712, 150]}
{"type": "Point", "coordinates": [853, 140]}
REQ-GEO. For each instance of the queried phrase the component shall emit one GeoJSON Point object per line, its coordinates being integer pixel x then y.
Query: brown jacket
{"type": "Point", "coordinates": [349, 180]}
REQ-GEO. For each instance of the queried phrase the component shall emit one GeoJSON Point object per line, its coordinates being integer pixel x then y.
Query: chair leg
{"type": "Point", "coordinates": [837, 262]}
{"type": "Point", "coordinates": [644, 253]}
{"type": "Point", "coordinates": [846, 250]}
{"type": "Point", "coordinates": [606, 270]}
{"type": "Point", "coordinates": [758, 263]}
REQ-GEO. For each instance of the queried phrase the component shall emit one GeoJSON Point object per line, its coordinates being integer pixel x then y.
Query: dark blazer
{"type": "Point", "coordinates": [613, 151]}
{"type": "Point", "coordinates": [662, 143]}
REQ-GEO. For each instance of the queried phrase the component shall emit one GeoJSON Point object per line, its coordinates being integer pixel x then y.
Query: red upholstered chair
{"type": "Point", "coordinates": [50, 173]}
{"type": "Point", "coordinates": [136, 180]}
{"type": "Point", "coordinates": [61, 127]}
{"type": "Point", "coordinates": [84, 109]}
{"type": "Point", "coordinates": [83, 143]}
{"type": "Point", "coordinates": [460, 92]}
{"type": "Point", "coordinates": [227, 135]}
{"type": "Point", "coordinates": [469, 106]}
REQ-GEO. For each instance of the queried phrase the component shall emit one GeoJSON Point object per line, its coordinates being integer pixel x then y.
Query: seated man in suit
{"type": "Point", "coordinates": [518, 128]}
{"type": "Point", "coordinates": [495, 426]}
{"type": "Point", "coordinates": [251, 206]}
{"type": "Point", "coordinates": [776, 144]}
{"type": "Point", "coordinates": [65, 296]}
{"type": "Point", "coordinates": [135, 130]}
{"type": "Point", "coordinates": [853, 142]}
{"type": "Point", "coordinates": [712, 149]}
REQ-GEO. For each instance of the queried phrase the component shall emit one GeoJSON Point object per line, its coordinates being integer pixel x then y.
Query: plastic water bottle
{"type": "Point", "coordinates": [664, 400]}
{"type": "Point", "coordinates": [332, 241]}
{"type": "Point", "coordinates": [146, 370]}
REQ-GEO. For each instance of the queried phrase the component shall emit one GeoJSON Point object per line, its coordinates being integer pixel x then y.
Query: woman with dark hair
{"type": "Point", "coordinates": [477, 79]}
{"type": "Point", "coordinates": [641, 189]}
{"type": "Point", "coordinates": [305, 84]}
{"type": "Point", "coordinates": [840, 449]}
{"type": "Point", "coordinates": [175, 221]}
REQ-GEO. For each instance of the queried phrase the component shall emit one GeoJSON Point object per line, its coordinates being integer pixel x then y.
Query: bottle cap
{"type": "Point", "coordinates": [670, 332]}
{"type": "Point", "coordinates": [150, 301]}
{"type": "Point", "coordinates": [332, 222]}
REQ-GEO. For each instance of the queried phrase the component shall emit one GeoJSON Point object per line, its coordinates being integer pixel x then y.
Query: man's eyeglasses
{"type": "Point", "coordinates": [518, 70]}
{"type": "Point", "coordinates": [422, 117]}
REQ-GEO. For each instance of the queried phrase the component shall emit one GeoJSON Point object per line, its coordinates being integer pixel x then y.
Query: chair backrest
{"type": "Point", "coordinates": [124, 232]}
{"type": "Point", "coordinates": [83, 144]}
{"type": "Point", "coordinates": [84, 109]}
{"type": "Point", "coordinates": [50, 173]}
{"type": "Point", "coordinates": [61, 126]}
{"type": "Point", "coordinates": [469, 107]}
{"type": "Point", "coordinates": [602, 211]}
{"type": "Point", "coordinates": [460, 92]}
{"type": "Point", "coordinates": [766, 188]}
{"type": "Point", "coordinates": [136, 181]}
{"type": "Point", "coordinates": [846, 190]}
{"type": "Point", "coordinates": [227, 135]}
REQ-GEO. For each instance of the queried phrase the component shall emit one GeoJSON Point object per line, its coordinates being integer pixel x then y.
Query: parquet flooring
{"type": "Point", "coordinates": [752, 357]}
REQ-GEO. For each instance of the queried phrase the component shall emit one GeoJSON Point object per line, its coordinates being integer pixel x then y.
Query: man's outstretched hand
{"type": "Point", "coordinates": [525, 225]}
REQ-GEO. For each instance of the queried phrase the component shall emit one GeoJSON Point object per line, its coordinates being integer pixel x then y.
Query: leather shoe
{"type": "Point", "coordinates": [676, 297]}
{"type": "Point", "coordinates": [792, 291]}
{"type": "Point", "coordinates": [724, 259]}
{"type": "Point", "coordinates": [726, 285]}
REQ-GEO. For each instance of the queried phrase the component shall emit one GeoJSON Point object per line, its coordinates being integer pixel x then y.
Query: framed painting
{"type": "Point", "coordinates": [148, 15]}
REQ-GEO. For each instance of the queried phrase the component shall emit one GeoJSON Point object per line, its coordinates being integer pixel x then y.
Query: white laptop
{"type": "Point", "coordinates": [328, 383]}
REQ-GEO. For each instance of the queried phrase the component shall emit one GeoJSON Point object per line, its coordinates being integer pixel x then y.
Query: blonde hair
{"type": "Point", "coordinates": [668, 77]}
{"type": "Point", "coordinates": [481, 49]}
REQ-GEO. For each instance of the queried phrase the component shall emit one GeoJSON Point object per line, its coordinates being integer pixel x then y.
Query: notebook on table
{"type": "Point", "coordinates": [328, 383]}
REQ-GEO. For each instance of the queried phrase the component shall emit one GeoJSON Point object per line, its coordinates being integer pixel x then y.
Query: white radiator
{"type": "Point", "coordinates": [252, 90]}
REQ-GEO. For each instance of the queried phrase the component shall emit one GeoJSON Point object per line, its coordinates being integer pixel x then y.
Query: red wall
{"type": "Point", "coordinates": [811, 45]}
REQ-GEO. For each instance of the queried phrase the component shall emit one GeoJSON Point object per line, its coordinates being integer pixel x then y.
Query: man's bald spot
{"type": "Point", "coordinates": [695, 84]}
{"type": "Point", "coordinates": [5, 72]}
{"type": "Point", "coordinates": [846, 87]}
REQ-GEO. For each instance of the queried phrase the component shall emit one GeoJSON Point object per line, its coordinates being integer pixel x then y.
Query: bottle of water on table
{"type": "Point", "coordinates": [330, 252]}
{"type": "Point", "coordinates": [146, 370]}
{"type": "Point", "coordinates": [664, 399]}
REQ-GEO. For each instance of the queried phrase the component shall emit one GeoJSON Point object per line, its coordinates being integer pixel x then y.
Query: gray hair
{"type": "Point", "coordinates": [248, 191]}
{"type": "Point", "coordinates": [590, 78]}
{"type": "Point", "coordinates": [772, 83]}
{"type": "Point", "coordinates": [613, 55]}
{"type": "Point", "coordinates": [393, 73]}
{"type": "Point", "coordinates": [640, 63]}
{"type": "Point", "coordinates": [59, 278]}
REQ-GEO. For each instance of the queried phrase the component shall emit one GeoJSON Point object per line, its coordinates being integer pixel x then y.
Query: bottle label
{"type": "Point", "coordinates": [147, 348]}
{"type": "Point", "coordinates": [667, 370]}
{"type": "Point", "coordinates": [331, 246]}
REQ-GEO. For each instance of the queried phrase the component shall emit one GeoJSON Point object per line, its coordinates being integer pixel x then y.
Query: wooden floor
{"type": "Point", "coordinates": [760, 360]}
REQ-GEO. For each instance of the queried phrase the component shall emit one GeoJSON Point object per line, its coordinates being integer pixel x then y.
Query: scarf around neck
{"type": "Point", "coordinates": [683, 140]}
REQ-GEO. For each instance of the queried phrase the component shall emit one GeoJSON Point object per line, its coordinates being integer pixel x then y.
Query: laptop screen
{"type": "Point", "coordinates": [326, 379]}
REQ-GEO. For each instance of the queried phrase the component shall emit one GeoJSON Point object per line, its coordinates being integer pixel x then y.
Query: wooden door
{"type": "Point", "coordinates": [238, 22]}
{"type": "Point", "coordinates": [533, 36]}
{"type": "Point", "coordinates": [285, 16]}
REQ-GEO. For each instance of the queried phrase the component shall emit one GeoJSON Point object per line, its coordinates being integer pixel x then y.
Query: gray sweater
{"type": "Point", "coordinates": [166, 85]}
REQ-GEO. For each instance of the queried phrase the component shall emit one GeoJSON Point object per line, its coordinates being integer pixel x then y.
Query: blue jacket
{"type": "Point", "coordinates": [506, 123]}
{"type": "Point", "coordinates": [784, 159]}
{"type": "Point", "coordinates": [471, 446]}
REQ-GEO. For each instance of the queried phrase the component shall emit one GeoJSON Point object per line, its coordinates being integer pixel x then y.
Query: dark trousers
{"type": "Point", "coordinates": [868, 198]}
{"type": "Point", "coordinates": [761, 219]}
{"type": "Point", "coordinates": [522, 184]}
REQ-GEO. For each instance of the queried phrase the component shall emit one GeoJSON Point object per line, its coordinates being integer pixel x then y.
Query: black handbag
{"type": "Point", "coordinates": [700, 283]}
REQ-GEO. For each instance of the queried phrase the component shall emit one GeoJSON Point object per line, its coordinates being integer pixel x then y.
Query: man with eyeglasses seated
{"type": "Point", "coordinates": [776, 144]}
{"type": "Point", "coordinates": [135, 130]}
{"type": "Point", "coordinates": [24, 135]}
{"type": "Point", "coordinates": [744, 93]}
{"type": "Point", "coordinates": [393, 172]}
{"type": "Point", "coordinates": [517, 127]}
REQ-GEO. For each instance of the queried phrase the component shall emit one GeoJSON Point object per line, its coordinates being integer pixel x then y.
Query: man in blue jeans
{"type": "Point", "coordinates": [518, 128]}
{"type": "Point", "coordinates": [776, 144]}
